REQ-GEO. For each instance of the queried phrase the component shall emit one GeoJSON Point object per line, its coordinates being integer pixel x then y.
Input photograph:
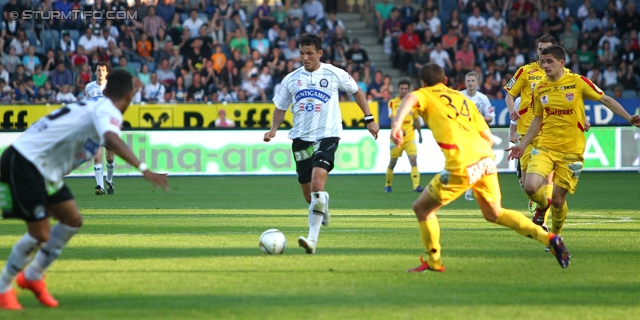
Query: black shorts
{"type": "Point", "coordinates": [28, 189]}
{"type": "Point", "coordinates": [309, 155]}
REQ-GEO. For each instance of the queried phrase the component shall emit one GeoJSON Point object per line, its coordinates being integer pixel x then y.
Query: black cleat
{"type": "Point", "coordinates": [99, 191]}
{"type": "Point", "coordinates": [110, 187]}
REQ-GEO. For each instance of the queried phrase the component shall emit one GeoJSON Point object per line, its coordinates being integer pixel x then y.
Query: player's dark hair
{"type": "Point", "coordinates": [119, 83]}
{"type": "Point", "coordinates": [102, 64]}
{"type": "Point", "coordinates": [432, 74]}
{"type": "Point", "coordinates": [404, 81]}
{"type": "Point", "coordinates": [556, 51]}
{"type": "Point", "coordinates": [547, 38]}
{"type": "Point", "coordinates": [308, 39]}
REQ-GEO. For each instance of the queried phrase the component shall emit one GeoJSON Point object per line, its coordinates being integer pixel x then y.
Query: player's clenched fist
{"type": "Point", "coordinates": [269, 135]}
{"type": "Point", "coordinates": [397, 135]}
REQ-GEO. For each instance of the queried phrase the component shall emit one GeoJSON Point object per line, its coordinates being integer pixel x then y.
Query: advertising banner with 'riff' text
{"type": "Point", "coordinates": [244, 153]}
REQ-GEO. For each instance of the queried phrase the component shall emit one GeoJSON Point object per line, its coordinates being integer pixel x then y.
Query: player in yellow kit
{"type": "Point", "coordinates": [558, 107]}
{"type": "Point", "coordinates": [523, 82]}
{"type": "Point", "coordinates": [410, 122]}
{"type": "Point", "coordinates": [464, 137]}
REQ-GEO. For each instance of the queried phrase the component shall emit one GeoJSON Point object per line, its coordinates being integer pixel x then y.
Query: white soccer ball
{"type": "Point", "coordinates": [273, 241]}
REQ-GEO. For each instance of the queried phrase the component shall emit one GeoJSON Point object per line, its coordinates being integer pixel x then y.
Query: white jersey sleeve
{"type": "Point", "coordinates": [486, 109]}
{"type": "Point", "coordinates": [282, 98]}
{"type": "Point", "coordinates": [106, 120]}
{"type": "Point", "coordinates": [346, 82]}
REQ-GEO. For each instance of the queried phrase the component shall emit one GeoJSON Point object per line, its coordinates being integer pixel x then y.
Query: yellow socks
{"type": "Point", "coordinates": [389, 177]}
{"type": "Point", "coordinates": [415, 177]}
{"type": "Point", "coordinates": [540, 198]}
{"type": "Point", "coordinates": [522, 225]}
{"type": "Point", "coordinates": [558, 217]}
{"type": "Point", "coordinates": [430, 235]}
{"type": "Point", "coordinates": [548, 190]}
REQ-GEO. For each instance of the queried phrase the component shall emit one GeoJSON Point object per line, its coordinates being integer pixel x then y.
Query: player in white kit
{"type": "Point", "coordinates": [92, 91]}
{"type": "Point", "coordinates": [312, 93]}
{"type": "Point", "coordinates": [482, 103]}
{"type": "Point", "coordinates": [33, 168]}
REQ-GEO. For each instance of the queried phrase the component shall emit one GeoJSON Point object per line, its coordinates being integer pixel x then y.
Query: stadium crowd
{"type": "Point", "coordinates": [213, 50]}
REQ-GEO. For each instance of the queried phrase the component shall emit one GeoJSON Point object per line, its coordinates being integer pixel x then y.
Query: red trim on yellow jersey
{"type": "Point", "coordinates": [519, 73]}
{"type": "Point", "coordinates": [523, 111]}
{"type": "Point", "coordinates": [593, 86]}
{"type": "Point", "coordinates": [580, 127]}
{"type": "Point", "coordinates": [447, 146]}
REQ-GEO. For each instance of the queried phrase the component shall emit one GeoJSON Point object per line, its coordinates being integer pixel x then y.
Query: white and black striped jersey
{"type": "Point", "coordinates": [60, 142]}
{"type": "Point", "coordinates": [93, 89]}
{"type": "Point", "coordinates": [314, 100]}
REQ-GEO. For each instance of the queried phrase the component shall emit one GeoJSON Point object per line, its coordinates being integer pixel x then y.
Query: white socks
{"type": "Point", "coordinates": [319, 205]}
{"type": "Point", "coordinates": [20, 255]}
{"type": "Point", "coordinates": [58, 238]}
{"type": "Point", "coordinates": [97, 170]}
{"type": "Point", "coordinates": [110, 168]}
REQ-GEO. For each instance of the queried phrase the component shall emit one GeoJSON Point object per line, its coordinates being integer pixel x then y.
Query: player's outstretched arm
{"type": "Point", "coordinates": [278, 118]}
{"type": "Point", "coordinates": [403, 111]}
{"type": "Point", "coordinates": [534, 129]}
{"type": "Point", "coordinates": [513, 134]}
{"type": "Point", "coordinates": [510, 101]}
{"type": "Point", "coordinates": [113, 142]}
{"type": "Point", "coordinates": [615, 106]}
{"type": "Point", "coordinates": [361, 100]}
{"type": "Point", "coordinates": [487, 136]}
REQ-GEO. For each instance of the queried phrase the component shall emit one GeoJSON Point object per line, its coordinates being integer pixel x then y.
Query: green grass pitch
{"type": "Point", "coordinates": [193, 254]}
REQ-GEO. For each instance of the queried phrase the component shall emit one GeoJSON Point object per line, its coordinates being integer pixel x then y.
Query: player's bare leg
{"type": "Point", "coordinates": [110, 168]}
{"type": "Point", "coordinates": [318, 209]}
{"type": "Point", "coordinates": [32, 278]}
{"type": "Point", "coordinates": [98, 172]}
{"type": "Point", "coordinates": [389, 174]}
{"type": "Point", "coordinates": [559, 208]}
{"type": "Point", "coordinates": [415, 174]}
{"type": "Point", "coordinates": [533, 187]}
{"type": "Point", "coordinates": [425, 208]}
{"type": "Point", "coordinates": [493, 212]}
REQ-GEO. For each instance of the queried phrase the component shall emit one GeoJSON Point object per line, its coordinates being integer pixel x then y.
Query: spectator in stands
{"type": "Point", "coordinates": [240, 43]}
{"type": "Point", "coordinates": [440, 57]}
{"type": "Point", "coordinates": [124, 66]}
{"type": "Point", "coordinates": [583, 10]}
{"type": "Point", "coordinates": [476, 23]}
{"type": "Point", "coordinates": [265, 81]}
{"type": "Point", "coordinates": [178, 91]}
{"type": "Point", "coordinates": [596, 77]}
{"type": "Point", "coordinates": [434, 24]}
{"type": "Point", "coordinates": [627, 77]}
{"type": "Point", "coordinates": [361, 83]}
{"type": "Point", "coordinates": [78, 58]}
{"type": "Point", "coordinates": [22, 94]}
{"type": "Point", "coordinates": [358, 57]}
{"type": "Point", "coordinates": [629, 19]}
{"type": "Point", "coordinates": [144, 48]}
{"type": "Point", "coordinates": [19, 76]}
{"type": "Point", "coordinates": [610, 77]}
{"type": "Point", "coordinates": [333, 22]}
{"type": "Point", "coordinates": [279, 15]}
{"type": "Point", "coordinates": [252, 90]}
{"type": "Point", "coordinates": [144, 75]}
{"type": "Point", "coordinates": [65, 96]}
{"type": "Point", "coordinates": [406, 13]}
{"type": "Point", "coordinates": [375, 85]}
{"type": "Point", "coordinates": [496, 23]}
{"type": "Point", "coordinates": [151, 23]}
{"type": "Point", "coordinates": [4, 75]}
{"type": "Point", "coordinates": [39, 78]}
{"type": "Point", "coordinates": [295, 30]}
{"type": "Point", "coordinates": [20, 43]}
{"type": "Point", "coordinates": [295, 12]}
{"type": "Point", "coordinates": [534, 25]}
{"type": "Point", "coordinates": [67, 44]}
{"type": "Point", "coordinates": [195, 56]}
{"type": "Point", "coordinates": [605, 55]}
{"type": "Point", "coordinates": [585, 58]}
{"type": "Point", "coordinates": [197, 92]}
{"type": "Point", "coordinates": [466, 56]}
{"type": "Point", "coordinates": [30, 60]}
{"type": "Point", "coordinates": [592, 22]}
{"type": "Point", "coordinates": [386, 85]}
{"type": "Point", "coordinates": [154, 91]}
{"type": "Point", "coordinates": [88, 41]}
{"type": "Point", "coordinates": [61, 76]}
{"type": "Point", "coordinates": [293, 53]}
{"type": "Point", "coordinates": [263, 14]}
{"type": "Point", "coordinates": [312, 27]}
{"type": "Point", "coordinates": [569, 39]}
{"type": "Point", "coordinates": [393, 30]}
{"type": "Point", "coordinates": [176, 60]}
{"type": "Point", "coordinates": [383, 13]}
{"type": "Point", "coordinates": [408, 43]}
{"type": "Point", "coordinates": [314, 8]}
{"type": "Point", "coordinates": [193, 23]}
{"type": "Point", "coordinates": [614, 42]}
{"type": "Point", "coordinates": [65, 6]}
{"type": "Point", "coordinates": [165, 10]}
{"type": "Point", "coordinates": [419, 59]}
{"type": "Point", "coordinates": [222, 121]}
{"type": "Point", "coordinates": [554, 23]}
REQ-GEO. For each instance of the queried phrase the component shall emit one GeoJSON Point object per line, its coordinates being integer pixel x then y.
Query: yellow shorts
{"type": "Point", "coordinates": [526, 156]}
{"type": "Point", "coordinates": [408, 146]}
{"type": "Point", "coordinates": [447, 186]}
{"type": "Point", "coordinates": [567, 167]}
